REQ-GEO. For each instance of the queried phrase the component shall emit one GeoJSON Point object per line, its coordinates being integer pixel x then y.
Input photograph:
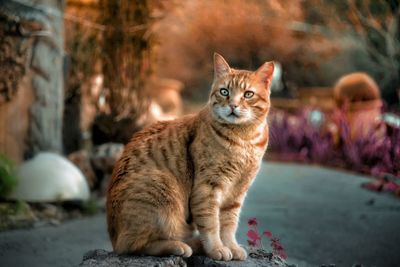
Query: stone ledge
{"type": "Point", "coordinates": [103, 258]}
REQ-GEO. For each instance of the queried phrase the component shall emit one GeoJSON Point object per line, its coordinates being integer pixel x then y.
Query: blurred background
{"type": "Point", "coordinates": [79, 77]}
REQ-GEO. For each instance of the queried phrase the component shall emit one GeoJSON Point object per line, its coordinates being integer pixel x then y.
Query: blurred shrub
{"type": "Point", "coordinates": [294, 138]}
{"type": "Point", "coordinates": [8, 179]}
{"type": "Point", "coordinates": [247, 33]}
{"type": "Point", "coordinates": [375, 26]}
{"type": "Point", "coordinates": [316, 41]}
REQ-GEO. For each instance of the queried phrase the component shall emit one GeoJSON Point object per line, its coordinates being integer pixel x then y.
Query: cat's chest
{"type": "Point", "coordinates": [236, 158]}
{"type": "Point", "coordinates": [241, 156]}
{"type": "Point", "coordinates": [239, 164]}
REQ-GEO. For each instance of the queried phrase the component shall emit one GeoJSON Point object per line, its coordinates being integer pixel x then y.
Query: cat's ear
{"type": "Point", "coordinates": [265, 72]}
{"type": "Point", "coordinates": [221, 68]}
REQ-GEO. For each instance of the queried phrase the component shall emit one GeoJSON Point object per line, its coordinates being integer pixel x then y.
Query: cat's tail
{"type": "Point", "coordinates": [178, 238]}
{"type": "Point", "coordinates": [174, 238]}
{"type": "Point", "coordinates": [195, 244]}
{"type": "Point", "coordinates": [193, 239]}
{"type": "Point", "coordinates": [184, 232]}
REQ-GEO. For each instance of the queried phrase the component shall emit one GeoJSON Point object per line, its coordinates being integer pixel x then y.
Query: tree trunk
{"type": "Point", "coordinates": [127, 47]}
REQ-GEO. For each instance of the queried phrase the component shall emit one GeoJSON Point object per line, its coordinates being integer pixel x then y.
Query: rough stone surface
{"type": "Point", "coordinates": [103, 258]}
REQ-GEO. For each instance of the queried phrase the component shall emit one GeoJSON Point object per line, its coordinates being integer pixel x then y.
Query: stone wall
{"type": "Point", "coordinates": [31, 84]}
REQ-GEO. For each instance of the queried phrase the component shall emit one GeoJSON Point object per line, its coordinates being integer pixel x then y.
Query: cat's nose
{"type": "Point", "coordinates": [233, 106]}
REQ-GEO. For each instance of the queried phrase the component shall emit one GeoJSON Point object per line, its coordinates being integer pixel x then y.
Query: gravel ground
{"type": "Point", "coordinates": [322, 216]}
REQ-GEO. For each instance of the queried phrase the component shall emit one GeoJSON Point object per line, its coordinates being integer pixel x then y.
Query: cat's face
{"type": "Point", "coordinates": [239, 96]}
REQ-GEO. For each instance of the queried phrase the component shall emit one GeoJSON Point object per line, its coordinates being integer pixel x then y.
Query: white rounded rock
{"type": "Point", "coordinates": [50, 177]}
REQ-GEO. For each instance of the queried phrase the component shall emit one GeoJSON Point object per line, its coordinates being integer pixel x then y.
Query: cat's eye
{"type": "Point", "coordinates": [224, 92]}
{"type": "Point", "coordinates": [248, 94]}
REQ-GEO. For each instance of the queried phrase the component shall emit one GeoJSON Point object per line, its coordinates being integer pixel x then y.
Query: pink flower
{"type": "Point", "coordinates": [391, 186]}
{"type": "Point", "coordinates": [282, 254]}
{"type": "Point", "coordinates": [253, 235]}
{"type": "Point", "coordinates": [255, 239]}
{"type": "Point", "coordinates": [252, 243]}
{"type": "Point", "coordinates": [376, 186]}
{"type": "Point", "coordinates": [252, 222]}
{"type": "Point", "coordinates": [267, 234]}
{"type": "Point", "coordinates": [275, 244]}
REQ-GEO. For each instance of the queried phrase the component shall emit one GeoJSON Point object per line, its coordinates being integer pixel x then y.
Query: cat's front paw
{"type": "Point", "coordinates": [238, 253]}
{"type": "Point", "coordinates": [220, 253]}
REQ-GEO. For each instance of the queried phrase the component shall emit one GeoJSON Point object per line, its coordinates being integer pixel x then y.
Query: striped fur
{"type": "Point", "coordinates": [179, 185]}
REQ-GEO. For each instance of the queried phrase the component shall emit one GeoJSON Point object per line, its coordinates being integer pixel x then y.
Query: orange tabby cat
{"type": "Point", "coordinates": [185, 180]}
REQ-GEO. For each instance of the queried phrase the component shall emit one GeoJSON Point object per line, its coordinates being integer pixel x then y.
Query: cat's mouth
{"type": "Point", "coordinates": [233, 115]}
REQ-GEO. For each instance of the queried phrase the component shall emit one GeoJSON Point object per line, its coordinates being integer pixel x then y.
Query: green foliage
{"type": "Point", "coordinates": [14, 208]}
{"type": "Point", "coordinates": [90, 207]}
{"type": "Point", "coordinates": [15, 214]}
{"type": "Point", "coordinates": [8, 179]}
{"type": "Point", "coordinates": [21, 206]}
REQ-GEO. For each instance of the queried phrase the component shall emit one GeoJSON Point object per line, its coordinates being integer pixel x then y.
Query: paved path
{"type": "Point", "coordinates": [320, 215]}
{"type": "Point", "coordinates": [53, 246]}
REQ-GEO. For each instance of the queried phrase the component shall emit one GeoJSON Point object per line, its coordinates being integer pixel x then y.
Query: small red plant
{"type": "Point", "coordinates": [256, 242]}
{"type": "Point", "coordinates": [385, 183]}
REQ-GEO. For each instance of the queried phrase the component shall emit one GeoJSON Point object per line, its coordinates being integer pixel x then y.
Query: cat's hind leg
{"type": "Point", "coordinates": [149, 215]}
